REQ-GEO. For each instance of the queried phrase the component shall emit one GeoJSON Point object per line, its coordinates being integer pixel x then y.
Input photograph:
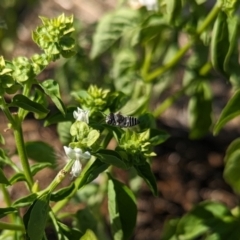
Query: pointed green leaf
{"type": "Point", "coordinates": [39, 166]}
{"type": "Point", "coordinates": [122, 209]}
{"type": "Point", "coordinates": [219, 42]}
{"type": "Point", "coordinates": [59, 117]}
{"type": "Point", "coordinates": [25, 201]}
{"type": "Point", "coordinates": [5, 211]}
{"type": "Point", "coordinates": [146, 173]}
{"type": "Point", "coordinates": [93, 171]}
{"type": "Point", "coordinates": [110, 157]}
{"type": "Point", "coordinates": [231, 170]}
{"type": "Point", "coordinates": [111, 27]}
{"type": "Point", "coordinates": [207, 217]}
{"type": "Point", "coordinates": [18, 177]}
{"type": "Point", "coordinates": [89, 235]}
{"type": "Point", "coordinates": [3, 179]}
{"type": "Point", "coordinates": [62, 193]}
{"type": "Point", "coordinates": [200, 110]}
{"type": "Point", "coordinates": [36, 218]}
{"type": "Point", "coordinates": [230, 111]}
{"type": "Point", "coordinates": [41, 152]}
{"type": "Point", "coordinates": [51, 88]}
{"type": "Point", "coordinates": [25, 103]}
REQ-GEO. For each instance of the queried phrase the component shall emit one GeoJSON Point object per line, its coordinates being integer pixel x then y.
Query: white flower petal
{"type": "Point", "coordinates": [81, 115]}
{"type": "Point", "coordinates": [69, 152]}
{"type": "Point", "coordinates": [86, 156]}
{"type": "Point", "coordinates": [76, 168]}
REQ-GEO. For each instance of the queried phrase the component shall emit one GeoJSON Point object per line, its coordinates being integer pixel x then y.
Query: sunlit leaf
{"type": "Point", "coordinates": [122, 209]}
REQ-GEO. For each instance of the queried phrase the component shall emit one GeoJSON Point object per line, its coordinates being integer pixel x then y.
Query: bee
{"type": "Point", "coordinates": [117, 119]}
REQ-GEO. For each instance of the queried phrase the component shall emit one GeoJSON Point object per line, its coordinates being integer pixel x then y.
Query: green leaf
{"type": "Point", "coordinates": [170, 229]}
{"type": "Point", "coordinates": [18, 177]}
{"type": "Point", "coordinates": [86, 220]}
{"type": "Point", "coordinates": [59, 117]}
{"type": "Point", "coordinates": [3, 179]}
{"type": "Point", "coordinates": [234, 146]}
{"type": "Point", "coordinates": [219, 42]}
{"type": "Point", "coordinates": [200, 110]}
{"type": "Point", "coordinates": [93, 171]}
{"type": "Point", "coordinates": [230, 111]}
{"type": "Point", "coordinates": [232, 23]}
{"type": "Point", "coordinates": [122, 209]}
{"type": "Point", "coordinates": [208, 217]}
{"type": "Point", "coordinates": [89, 235]}
{"type": "Point", "coordinates": [157, 136]}
{"type": "Point", "coordinates": [39, 166]}
{"type": "Point", "coordinates": [51, 88]}
{"type": "Point", "coordinates": [173, 10]}
{"type": "Point", "coordinates": [40, 152]}
{"type": "Point", "coordinates": [5, 211]}
{"type": "Point", "coordinates": [25, 201]}
{"type": "Point", "coordinates": [231, 170]}
{"type": "Point", "coordinates": [63, 130]}
{"type": "Point", "coordinates": [40, 98]}
{"type": "Point", "coordinates": [92, 137]}
{"type": "Point", "coordinates": [2, 140]}
{"type": "Point", "coordinates": [36, 218]}
{"type": "Point", "coordinates": [111, 28]}
{"type": "Point", "coordinates": [110, 157]}
{"type": "Point", "coordinates": [146, 173]}
{"type": "Point", "coordinates": [27, 104]}
{"type": "Point", "coordinates": [62, 193]}
{"type": "Point", "coordinates": [4, 159]}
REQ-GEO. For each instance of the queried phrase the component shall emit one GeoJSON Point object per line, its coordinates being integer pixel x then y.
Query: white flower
{"type": "Point", "coordinates": [149, 4]}
{"type": "Point", "coordinates": [81, 115]}
{"type": "Point", "coordinates": [76, 154]}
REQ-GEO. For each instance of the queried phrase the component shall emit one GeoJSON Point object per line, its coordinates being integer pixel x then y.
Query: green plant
{"type": "Point", "coordinates": [87, 137]}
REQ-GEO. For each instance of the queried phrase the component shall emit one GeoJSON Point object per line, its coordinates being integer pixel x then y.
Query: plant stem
{"type": "Point", "coordinates": [8, 202]}
{"type": "Point", "coordinates": [10, 226]}
{"type": "Point", "coordinates": [59, 205]}
{"type": "Point", "coordinates": [23, 155]}
{"type": "Point", "coordinates": [60, 176]}
{"type": "Point", "coordinates": [208, 20]}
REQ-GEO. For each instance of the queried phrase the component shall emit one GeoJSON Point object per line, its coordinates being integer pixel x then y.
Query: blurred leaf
{"type": "Point", "coordinates": [59, 117]}
{"type": "Point", "coordinates": [122, 209]}
{"type": "Point", "coordinates": [93, 171]}
{"type": "Point", "coordinates": [147, 120]}
{"type": "Point", "coordinates": [3, 179]}
{"type": "Point", "coordinates": [36, 217]}
{"type": "Point", "coordinates": [208, 217]}
{"type": "Point", "coordinates": [51, 88]}
{"type": "Point", "coordinates": [25, 103]}
{"type": "Point", "coordinates": [146, 173]}
{"type": "Point", "coordinates": [89, 235]}
{"type": "Point", "coordinates": [157, 136]}
{"type": "Point", "coordinates": [230, 111]}
{"type": "Point", "coordinates": [18, 177]}
{"type": "Point", "coordinates": [62, 193]}
{"type": "Point", "coordinates": [40, 98]}
{"type": "Point", "coordinates": [173, 10]}
{"type": "Point", "coordinates": [232, 23]}
{"type": "Point", "coordinates": [2, 140]}
{"type": "Point", "coordinates": [200, 110]}
{"type": "Point", "coordinates": [5, 211]}
{"type": "Point", "coordinates": [110, 157]}
{"type": "Point", "coordinates": [63, 130]}
{"type": "Point", "coordinates": [41, 152]}
{"type": "Point", "coordinates": [220, 42]}
{"type": "Point", "coordinates": [111, 28]}
{"type": "Point", "coordinates": [92, 137]}
{"type": "Point", "coordinates": [231, 170]}
{"type": "Point", "coordinates": [39, 166]}
{"type": "Point", "coordinates": [86, 220]}
{"type": "Point", "coordinates": [234, 146]}
{"type": "Point", "coordinates": [169, 230]}
{"type": "Point", "coordinates": [25, 201]}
